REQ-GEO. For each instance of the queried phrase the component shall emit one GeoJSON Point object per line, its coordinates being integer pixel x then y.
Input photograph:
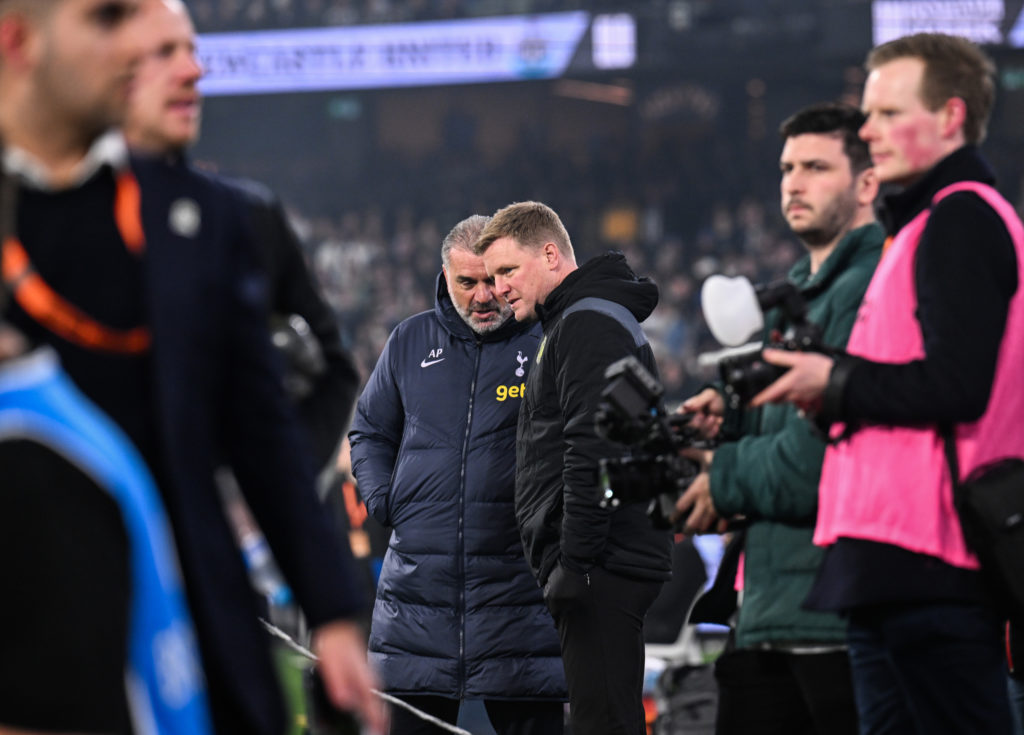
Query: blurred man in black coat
{"type": "Point", "coordinates": [163, 121]}
{"type": "Point", "coordinates": [160, 318]}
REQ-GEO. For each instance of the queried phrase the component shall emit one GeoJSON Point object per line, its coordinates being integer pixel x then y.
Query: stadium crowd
{"type": "Point", "coordinates": [376, 262]}
{"type": "Point", "coordinates": [374, 275]}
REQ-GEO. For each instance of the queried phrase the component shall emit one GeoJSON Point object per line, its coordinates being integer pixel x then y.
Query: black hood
{"type": "Point", "coordinates": [452, 321]}
{"type": "Point", "coordinates": [608, 277]}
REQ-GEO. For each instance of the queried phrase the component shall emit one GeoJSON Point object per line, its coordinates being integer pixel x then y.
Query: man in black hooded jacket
{"type": "Point", "coordinates": [600, 568]}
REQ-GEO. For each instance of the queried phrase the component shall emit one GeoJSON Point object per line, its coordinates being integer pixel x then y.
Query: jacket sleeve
{"type": "Point", "coordinates": [270, 460]}
{"type": "Point", "coordinates": [965, 276]}
{"type": "Point", "coordinates": [376, 436]}
{"type": "Point", "coordinates": [773, 476]}
{"type": "Point", "coordinates": [588, 343]}
{"type": "Point", "coordinates": [325, 412]}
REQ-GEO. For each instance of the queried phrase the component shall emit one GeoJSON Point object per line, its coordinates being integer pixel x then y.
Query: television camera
{"type": "Point", "coordinates": [734, 311]}
{"type": "Point", "coordinates": [633, 413]}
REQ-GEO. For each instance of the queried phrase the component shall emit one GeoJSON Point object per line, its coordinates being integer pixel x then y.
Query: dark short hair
{"type": "Point", "coordinates": [832, 118]}
{"type": "Point", "coordinates": [953, 67]}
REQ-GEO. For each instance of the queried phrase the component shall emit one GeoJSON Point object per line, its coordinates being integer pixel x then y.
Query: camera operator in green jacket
{"type": "Point", "coordinates": [787, 670]}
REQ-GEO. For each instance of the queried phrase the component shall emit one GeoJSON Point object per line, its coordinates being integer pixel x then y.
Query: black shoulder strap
{"type": "Point", "coordinates": [948, 434]}
{"type": "Point", "coordinates": [618, 312]}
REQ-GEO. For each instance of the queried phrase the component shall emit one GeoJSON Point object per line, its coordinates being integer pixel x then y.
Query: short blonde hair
{"type": "Point", "coordinates": [531, 224]}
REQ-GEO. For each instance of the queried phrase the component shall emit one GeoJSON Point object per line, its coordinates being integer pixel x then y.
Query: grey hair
{"type": "Point", "coordinates": [463, 236]}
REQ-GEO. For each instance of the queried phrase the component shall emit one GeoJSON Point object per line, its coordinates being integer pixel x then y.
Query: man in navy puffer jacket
{"type": "Point", "coordinates": [458, 614]}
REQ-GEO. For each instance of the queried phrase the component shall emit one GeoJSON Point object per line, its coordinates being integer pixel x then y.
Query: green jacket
{"type": "Point", "coordinates": [771, 474]}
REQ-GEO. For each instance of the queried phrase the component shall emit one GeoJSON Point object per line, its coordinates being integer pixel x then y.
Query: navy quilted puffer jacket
{"type": "Point", "coordinates": [458, 612]}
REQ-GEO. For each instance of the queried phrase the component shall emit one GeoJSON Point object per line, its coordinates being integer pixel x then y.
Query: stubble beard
{"type": "Point", "coordinates": [504, 314]}
{"type": "Point", "coordinates": [833, 222]}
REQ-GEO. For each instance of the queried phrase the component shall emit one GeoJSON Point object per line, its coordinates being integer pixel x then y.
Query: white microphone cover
{"type": "Point", "coordinates": [731, 309]}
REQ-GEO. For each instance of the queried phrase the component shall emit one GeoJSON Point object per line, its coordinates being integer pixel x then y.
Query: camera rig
{"type": "Point", "coordinates": [745, 373]}
{"type": "Point", "coordinates": [633, 413]}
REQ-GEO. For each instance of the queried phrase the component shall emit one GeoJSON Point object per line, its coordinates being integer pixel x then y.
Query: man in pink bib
{"type": "Point", "coordinates": [938, 345]}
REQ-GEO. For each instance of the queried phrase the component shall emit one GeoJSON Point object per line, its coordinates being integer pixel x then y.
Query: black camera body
{"type": "Point", "coordinates": [745, 374]}
{"type": "Point", "coordinates": [632, 412]}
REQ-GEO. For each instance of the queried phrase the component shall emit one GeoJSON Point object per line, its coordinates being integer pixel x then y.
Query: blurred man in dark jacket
{"type": "Point", "coordinates": [600, 568]}
{"type": "Point", "coordinates": [92, 597]}
{"type": "Point", "coordinates": [458, 614]}
{"type": "Point", "coordinates": [194, 382]}
{"type": "Point", "coordinates": [163, 121]}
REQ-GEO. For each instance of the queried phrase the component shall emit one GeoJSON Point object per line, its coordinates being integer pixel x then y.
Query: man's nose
{"type": "Point", "coordinates": [867, 130]}
{"type": "Point", "coordinates": [793, 183]}
{"type": "Point", "coordinates": [484, 293]}
{"type": "Point", "coordinates": [191, 69]}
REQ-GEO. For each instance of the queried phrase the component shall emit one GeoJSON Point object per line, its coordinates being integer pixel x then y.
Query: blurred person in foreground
{"type": "Point", "coordinates": [938, 346]}
{"type": "Point", "coordinates": [88, 554]}
{"type": "Point", "coordinates": [162, 122]}
{"type": "Point", "coordinates": [458, 614]}
{"type": "Point", "coordinates": [600, 568]}
{"type": "Point", "coordinates": [158, 316]}
{"type": "Point", "coordinates": [789, 671]}
{"type": "Point", "coordinates": [95, 614]}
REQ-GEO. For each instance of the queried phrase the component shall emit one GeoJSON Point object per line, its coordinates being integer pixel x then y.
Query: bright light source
{"type": "Point", "coordinates": [614, 41]}
{"type": "Point", "coordinates": [977, 20]}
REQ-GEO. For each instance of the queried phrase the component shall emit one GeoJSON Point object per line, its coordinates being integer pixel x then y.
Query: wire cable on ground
{"type": "Point", "coordinates": [394, 701]}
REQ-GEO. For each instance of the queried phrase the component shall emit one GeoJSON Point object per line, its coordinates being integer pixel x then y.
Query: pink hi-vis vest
{"type": "Point", "coordinates": [891, 484]}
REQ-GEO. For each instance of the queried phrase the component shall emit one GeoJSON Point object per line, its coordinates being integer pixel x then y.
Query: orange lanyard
{"type": "Point", "coordinates": [51, 310]}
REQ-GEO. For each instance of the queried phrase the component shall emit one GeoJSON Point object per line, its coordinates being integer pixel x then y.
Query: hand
{"type": "Point", "coordinates": [348, 679]}
{"type": "Point", "coordinates": [697, 501]}
{"type": "Point", "coordinates": [802, 384]}
{"type": "Point", "coordinates": [707, 408]}
{"type": "Point", "coordinates": [704, 457]}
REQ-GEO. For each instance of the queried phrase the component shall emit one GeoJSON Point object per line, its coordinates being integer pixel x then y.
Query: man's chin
{"type": "Point", "coordinates": [485, 325]}
{"type": "Point", "coordinates": [490, 324]}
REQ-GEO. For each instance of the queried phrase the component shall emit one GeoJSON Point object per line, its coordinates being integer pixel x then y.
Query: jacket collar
{"type": "Point", "coordinates": [963, 164]}
{"type": "Point", "coordinates": [108, 150]}
{"type": "Point", "coordinates": [853, 244]}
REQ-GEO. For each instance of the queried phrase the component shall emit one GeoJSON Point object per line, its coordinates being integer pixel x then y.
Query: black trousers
{"type": "Point", "coordinates": [600, 619]}
{"type": "Point", "coordinates": [929, 668]}
{"type": "Point", "coordinates": [507, 717]}
{"type": "Point", "coordinates": [780, 693]}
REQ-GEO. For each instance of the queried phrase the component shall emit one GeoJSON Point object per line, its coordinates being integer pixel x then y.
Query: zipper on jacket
{"type": "Point", "coordinates": [461, 543]}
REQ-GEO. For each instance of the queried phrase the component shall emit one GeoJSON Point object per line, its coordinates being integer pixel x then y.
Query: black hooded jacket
{"type": "Point", "coordinates": [558, 448]}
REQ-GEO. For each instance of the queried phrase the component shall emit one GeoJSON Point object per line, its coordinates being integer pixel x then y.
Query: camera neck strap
{"type": "Point", "coordinates": [47, 307]}
{"type": "Point", "coordinates": [946, 431]}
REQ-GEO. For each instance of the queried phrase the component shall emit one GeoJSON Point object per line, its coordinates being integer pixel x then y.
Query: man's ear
{"type": "Point", "coordinates": [952, 116]}
{"type": "Point", "coordinates": [552, 256]}
{"type": "Point", "coordinates": [867, 186]}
